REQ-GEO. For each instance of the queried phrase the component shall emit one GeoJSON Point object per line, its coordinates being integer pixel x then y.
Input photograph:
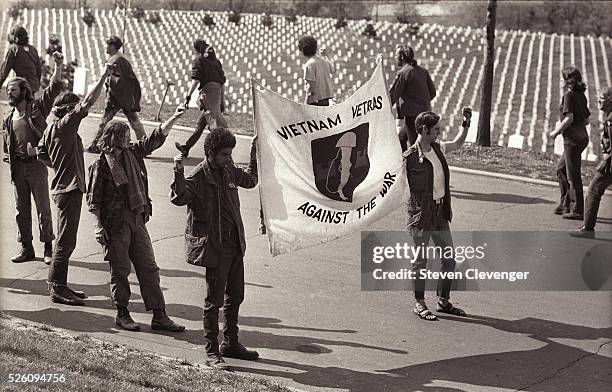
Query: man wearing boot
{"type": "Point", "coordinates": [118, 196]}
{"type": "Point", "coordinates": [25, 124]}
{"type": "Point", "coordinates": [62, 145]}
{"type": "Point", "coordinates": [123, 92]}
{"type": "Point", "coordinates": [215, 238]}
{"type": "Point", "coordinates": [603, 176]}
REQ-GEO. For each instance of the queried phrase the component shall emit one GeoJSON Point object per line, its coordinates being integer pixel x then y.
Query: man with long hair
{"type": "Point", "coordinates": [118, 196]}
{"type": "Point", "coordinates": [22, 58]}
{"type": "Point", "coordinates": [208, 76]}
{"type": "Point", "coordinates": [411, 93]}
{"type": "Point", "coordinates": [25, 125]}
{"type": "Point", "coordinates": [63, 146]}
{"type": "Point", "coordinates": [574, 115]}
{"type": "Point", "coordinates": [317, 72]}
{"type": "Point", "coordinates": [122, 92]}
{"type": "Point", "coordinates": [215, 238]}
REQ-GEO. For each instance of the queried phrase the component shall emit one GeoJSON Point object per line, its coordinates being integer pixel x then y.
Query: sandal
{"type": "Point", "coordinates": [450, 309]}
{"type": "Point", "coordinates": [424, 313]}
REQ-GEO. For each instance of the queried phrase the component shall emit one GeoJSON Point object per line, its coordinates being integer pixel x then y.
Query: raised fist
{"type": "Point", "coordinates": [58, 57]}
{"type": "Point", "coordinates": [467, 113]}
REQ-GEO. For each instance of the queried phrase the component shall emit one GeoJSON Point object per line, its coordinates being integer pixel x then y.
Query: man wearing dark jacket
{"type": "Point", "coordinates": [25, 125]}
{"type": "Point", "coordinates": [123, 92]}
{"type": "Point", "coordinates": [208, 76]}
{"type": "Point", "coordinates": [118, 196]}
{"type": "Point", "coordinates": [215, 238]}
{"type": "Point", "coordinates": [429, 204]}
{"type": "Point", "coordinates": [22, 58]}
{"type": "Point", "coordinates": [411, 92]}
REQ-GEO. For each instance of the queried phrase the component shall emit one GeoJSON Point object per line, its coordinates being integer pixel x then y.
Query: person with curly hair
{"type": "Point", "coordinates": [317, 72]}
{"type": "Point", "coordinates": [122, 92]}
{"type": "Point", "coordinates": [215, 238]}
{"type": "Point", "coordinates": [22, 58]}
{"type": "Point", "coordinates": [207, 74]}
{"type": "Point", "coordinates": [574, 116]}
{"type": "Point", "coordinates": [118, 197]}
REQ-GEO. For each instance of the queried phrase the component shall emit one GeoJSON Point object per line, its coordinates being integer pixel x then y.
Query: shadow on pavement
{"type": "Point", "coordinates": [512, 370]}
{"type": "Point", "coordinates": [500, 198]}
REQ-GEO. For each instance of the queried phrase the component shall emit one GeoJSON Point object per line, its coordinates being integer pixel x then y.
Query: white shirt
{"type": "Point", "coordinates": [438, 172]}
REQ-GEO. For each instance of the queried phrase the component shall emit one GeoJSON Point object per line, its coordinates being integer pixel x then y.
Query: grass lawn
{"type": "Point", "coordinates": [86, 364]}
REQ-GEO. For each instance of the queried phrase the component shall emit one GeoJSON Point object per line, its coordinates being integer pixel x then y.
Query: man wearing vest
{"type": "Point", "coordinates": [429, 204]}
{"type": "Point", "coordinates": [25, 124]}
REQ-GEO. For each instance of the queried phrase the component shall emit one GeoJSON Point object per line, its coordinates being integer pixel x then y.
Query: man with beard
{"type": "Point", "coordinates": [25, 125]}
{"type": "Point", "coordinates": [63, 146]}
{"type": "Point", "coordinates": [123, 92]}
{"type": "Point", "coordinates": [118, 196]}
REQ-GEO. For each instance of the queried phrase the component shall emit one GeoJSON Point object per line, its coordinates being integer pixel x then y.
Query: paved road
{"type": "Point", "coordinates": [313, 326]}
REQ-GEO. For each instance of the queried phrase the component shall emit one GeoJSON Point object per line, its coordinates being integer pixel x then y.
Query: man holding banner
{"type": "Point", "coordinates": [215, 238]}
{"type": "Point", "coordinates": [429, 204]}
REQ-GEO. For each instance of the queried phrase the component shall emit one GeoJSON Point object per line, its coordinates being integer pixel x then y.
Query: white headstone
{"type": "Point", "coordinates": [80, 81]}
{"type": "Point", "coordinates": [516, 141]}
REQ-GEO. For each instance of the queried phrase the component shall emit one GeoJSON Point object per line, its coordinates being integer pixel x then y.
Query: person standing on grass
{"type": "Point", "coordinates": [603, 176]}
{"type": "Point", "coordinates": [22, 58]}
{"type": "Point", "coordinates": [122, 92]}
{"type": "Point", "coordinates": [207, 74]}
{"type": "Point", "coordinates": [215, 238]}
{"type": "Point", "coordinates": [25, 125]}
{"type": "Point", "coordinates": [411, 93]}
{"type": "Point", "coordinates": [118, 197]}
{"type": "Point", "coordinates": [317, 72]}
{"type": "Point", "coordinates": [574, 115]}
{"type": "Point", "coordinates": [63, 146]}
{"type": "Point", "coordinates": [429, 204]}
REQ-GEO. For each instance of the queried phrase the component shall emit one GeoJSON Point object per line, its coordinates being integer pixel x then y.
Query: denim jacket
{"type": "Point", "coordinates": [420, 181]}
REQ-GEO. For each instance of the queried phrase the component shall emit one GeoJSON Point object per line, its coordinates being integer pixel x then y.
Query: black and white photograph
{"type": "Point", "coordinates": [306, 195]}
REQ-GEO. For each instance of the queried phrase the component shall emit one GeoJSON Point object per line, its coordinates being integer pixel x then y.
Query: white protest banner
{"type": "Point", "coordinates": [326, 171]}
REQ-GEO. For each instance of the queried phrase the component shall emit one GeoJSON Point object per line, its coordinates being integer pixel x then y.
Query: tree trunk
{"type": "Point", "coordinates": [484, 120]}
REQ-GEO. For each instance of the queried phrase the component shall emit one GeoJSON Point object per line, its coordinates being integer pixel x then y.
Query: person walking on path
{"type": "Point", "coordinates": [603, 176]}
{"type": "Point", "coordinates": [22, 58]}
{"type": "Point", "coordinates": [25, 125]}
{"type": "Point", "coordinates": [574, 114]}
{"type": "Point", "coordinates": [118, 196]}
{"type": "Point", "coordinates": [122, 92]}
{"type": "Point", "coordinates": [215, 238]}
{"type": "Point", "coordinates": [429, 205]}
{"type": "Point", "coordinates": [207, 74]}
{"type": "Point", "coordinates": [317, 72]}
{"type": "Point", "coordinates": [63, 146]}
{"type": "Point", "coordinates": [411, 93]}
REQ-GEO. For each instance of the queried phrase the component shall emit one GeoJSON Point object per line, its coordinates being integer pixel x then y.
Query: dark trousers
{"type": "Point", "coordinates": [109, 112]}
{"type": "Point", "coordinates": [132, 245]}
{"type": "Point", "coordinates": [30, 180]}
{"type": "Point", "coordinates": [441, 236]}
{"type": "Point", "coordinates": [570, 180]}
{"type": "Point", "coordinates": [224, 287]}
{"type": "Point", "coordinates": [407, 134]}
{"type": "Point", "coordinates": [211, 115]}
{"type": "Point", "coordinates": [68, 217]}
{"type": "Point", "coordinates": [597, 188]}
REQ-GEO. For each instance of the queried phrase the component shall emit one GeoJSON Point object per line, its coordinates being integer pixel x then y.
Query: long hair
{"type": "Point", "coordinates": [406, 55]}
{"type": "Point", "coordinates": [573, 79]}
{"type": "Point", "coordinates": [24, 86]}
{"type": "Point", "coordinates": [64, 103]}
{"type": "Point", "coordinates": [19, 36]}
{"type": "Point", "coordinates": [112, 135]}
{"type": "Point", "coordinates": [308, 45]}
